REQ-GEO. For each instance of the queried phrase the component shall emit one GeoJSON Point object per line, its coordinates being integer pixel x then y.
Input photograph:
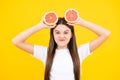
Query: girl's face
{"type": "Point", "coordinates": [62, 35]}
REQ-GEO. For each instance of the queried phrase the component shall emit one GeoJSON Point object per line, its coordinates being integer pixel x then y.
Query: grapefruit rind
{"type": "Point", "coordinates": [71, 10]}
{"type": "Point", "coordinates": [47, 14]}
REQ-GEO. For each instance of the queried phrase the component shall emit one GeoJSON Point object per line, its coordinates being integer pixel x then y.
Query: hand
{"type": "Point", "coordinates": [43, 25]}
{"type": "Point", "coordinates": [77, 22]}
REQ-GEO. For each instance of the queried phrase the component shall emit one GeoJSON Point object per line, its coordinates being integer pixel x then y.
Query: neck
{"type": "Point", "coordinates": [61, 47]}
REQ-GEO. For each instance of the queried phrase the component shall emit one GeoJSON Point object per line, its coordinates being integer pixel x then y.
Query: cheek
{"type": "Point", "coordinates": [68, 36]}
{"type": "Point", "coordinates": [55, 37]}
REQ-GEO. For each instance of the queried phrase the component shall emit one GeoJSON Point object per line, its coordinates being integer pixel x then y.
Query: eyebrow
{"type": "Point", "coordinates": [65, 30]}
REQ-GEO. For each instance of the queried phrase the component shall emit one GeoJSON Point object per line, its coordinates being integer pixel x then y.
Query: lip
{"type": "Point", "coordinates": [61, 40]}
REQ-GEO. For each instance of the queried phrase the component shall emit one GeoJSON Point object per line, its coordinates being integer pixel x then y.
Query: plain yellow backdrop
{"type": "Point", "coordinates": [19, 15]}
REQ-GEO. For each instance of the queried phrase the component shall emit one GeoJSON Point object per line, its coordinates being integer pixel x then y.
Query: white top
{"type": "Point", "coordinates": [62, 67]}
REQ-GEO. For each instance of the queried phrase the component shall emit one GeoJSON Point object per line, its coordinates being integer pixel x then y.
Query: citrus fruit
{"type": "Point", "coordinates": [71, 15]}
{"type": "Point", "coordinates": [50, 18]}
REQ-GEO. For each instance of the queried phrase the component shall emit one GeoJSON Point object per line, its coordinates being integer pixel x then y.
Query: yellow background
{"type": "Point", "coordinates": [18, 15]}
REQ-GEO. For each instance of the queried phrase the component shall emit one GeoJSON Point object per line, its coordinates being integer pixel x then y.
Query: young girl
{"type": "Point", "coordinates": [62, 57]}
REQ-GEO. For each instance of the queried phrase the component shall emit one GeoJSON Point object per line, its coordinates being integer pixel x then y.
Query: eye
{"type": "Point", "coordinates": [65, 32]}
{"type": "Point", "coordinates": [57, 32]}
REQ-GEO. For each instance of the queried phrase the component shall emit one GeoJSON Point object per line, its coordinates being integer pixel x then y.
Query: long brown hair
{"type": "Point", "coordinates": [71, 46]}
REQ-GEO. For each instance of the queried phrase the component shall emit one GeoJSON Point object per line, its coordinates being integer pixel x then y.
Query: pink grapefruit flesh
{"type": "Point", "coordinates": [50, 18]}
{"type": "Point", "coordinates": [71, 15]}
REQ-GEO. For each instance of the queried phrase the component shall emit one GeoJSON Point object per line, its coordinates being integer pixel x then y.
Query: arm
{"type": "Point", "coordinates": [19, 40]}
{"type": "Point", "coordinates": [102, 33]}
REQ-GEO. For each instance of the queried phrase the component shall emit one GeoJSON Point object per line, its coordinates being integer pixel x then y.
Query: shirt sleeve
{"type": "Point", "coordinates": [84, 51]}
{"type": "Point", "coordinates": [40, 52]}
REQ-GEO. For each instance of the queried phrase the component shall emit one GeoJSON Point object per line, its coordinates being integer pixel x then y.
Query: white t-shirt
{"type": "Point", "coordinates": [62, 67]}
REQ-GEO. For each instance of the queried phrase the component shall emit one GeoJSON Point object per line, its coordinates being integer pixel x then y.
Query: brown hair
{"type": "Point", "coordinates": [71, 46]}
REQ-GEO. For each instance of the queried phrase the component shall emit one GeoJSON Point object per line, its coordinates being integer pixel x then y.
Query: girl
{"type": "Point", "coordinates": [62, 57]}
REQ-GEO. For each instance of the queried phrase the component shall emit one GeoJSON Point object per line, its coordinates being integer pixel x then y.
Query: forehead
{"type": "Point", "coordinates": [61, 27]}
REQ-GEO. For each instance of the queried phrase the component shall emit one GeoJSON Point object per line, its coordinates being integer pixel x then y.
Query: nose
{"type": "Point", "coordinates": [62, 36]}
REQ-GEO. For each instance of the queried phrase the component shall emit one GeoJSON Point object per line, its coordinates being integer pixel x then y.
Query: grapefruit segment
{"type": "Point", "coordinates": [50, 18]}
{"type": "Point", "coordinates": [71, 15]}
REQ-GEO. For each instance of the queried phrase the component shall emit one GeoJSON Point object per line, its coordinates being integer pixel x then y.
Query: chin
{"type": "Point", "coordinates": [62, 45]}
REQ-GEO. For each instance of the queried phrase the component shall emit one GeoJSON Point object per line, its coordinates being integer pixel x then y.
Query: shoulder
{"type": "Point", "coordinates": [84, 51]}
{"type": "Point", "coordinates": [40, 52]}
{"type": "Point", "coordinates": [40, 47]}
{"type": "Point", "coordinates": [84, 47]}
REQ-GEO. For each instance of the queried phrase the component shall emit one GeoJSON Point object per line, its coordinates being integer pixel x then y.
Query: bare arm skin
{"type": "Point", "coordinates": [19, 40]}
{"type": "Point", "coordinates": [102, 33]}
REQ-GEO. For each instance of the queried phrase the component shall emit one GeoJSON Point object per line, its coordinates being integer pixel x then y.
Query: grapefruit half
{"type": "Point", "coordinates": [50, 18]}
{"type": "Point", "coordinates": [71, 15]}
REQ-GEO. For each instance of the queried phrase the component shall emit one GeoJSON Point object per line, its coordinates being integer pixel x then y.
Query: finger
{"type": "Point", "coordinates": [72, 24]}
{"type": "Point", "coordinates": [52, 26]}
